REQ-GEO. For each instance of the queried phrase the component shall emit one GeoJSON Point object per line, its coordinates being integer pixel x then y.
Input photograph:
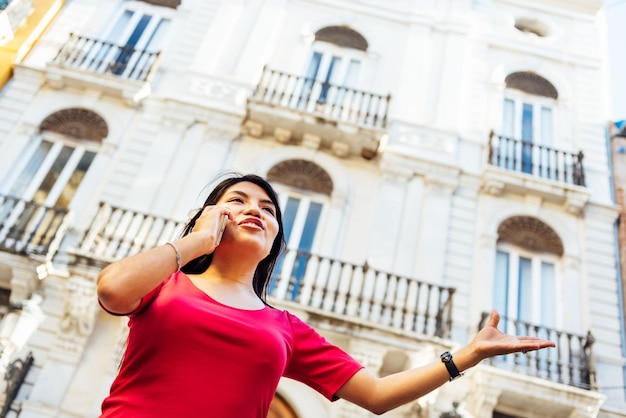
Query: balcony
{"type": "Point", "coordinates": [12, 14]}
{"type": "Point", "coordinates": [117, 70]}
{"type": "Point", "coordinates": [31, 229]}
{"type": "Point", "coordinates": [299, 109]}
{"type": "Point", "coordinates": [571, 362]}
{"type": "Point", "coordinates": [522, 167]}
{"type": "Point", "coordinates": [319, 285]}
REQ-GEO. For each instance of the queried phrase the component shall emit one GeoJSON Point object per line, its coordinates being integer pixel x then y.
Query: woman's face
{"type": "Point", "coordinates": [252, 218]}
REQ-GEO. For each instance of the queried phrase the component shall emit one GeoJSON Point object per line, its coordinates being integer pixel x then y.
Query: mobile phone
{"type": "Point", "coordinates": [221, 231]}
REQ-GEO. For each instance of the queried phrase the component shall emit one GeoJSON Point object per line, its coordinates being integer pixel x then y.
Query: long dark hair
{"type": "Point", "coordinates": [265, 268]}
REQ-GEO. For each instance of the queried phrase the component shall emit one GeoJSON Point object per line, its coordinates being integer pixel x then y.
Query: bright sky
{"type": "Point", "coordinates": [616, 35]}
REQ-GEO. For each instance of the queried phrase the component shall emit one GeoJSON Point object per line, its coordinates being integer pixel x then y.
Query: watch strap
{"type": "Point", "coordinates": [446, 359]}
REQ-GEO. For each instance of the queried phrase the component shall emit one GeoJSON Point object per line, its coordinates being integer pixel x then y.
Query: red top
{"type": "Point", "coordinates": [191, 356]}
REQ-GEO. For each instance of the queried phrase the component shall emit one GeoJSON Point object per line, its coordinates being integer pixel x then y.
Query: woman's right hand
{"type": "Point", "coordinates": [211, 225]}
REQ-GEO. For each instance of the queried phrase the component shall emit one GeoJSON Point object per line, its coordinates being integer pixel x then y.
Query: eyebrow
{"type": "Point", "coordinates": [243, 194]}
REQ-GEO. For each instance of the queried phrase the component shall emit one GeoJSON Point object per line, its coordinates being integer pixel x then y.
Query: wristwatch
{"type": "Point", "coordinates": [446, 358]}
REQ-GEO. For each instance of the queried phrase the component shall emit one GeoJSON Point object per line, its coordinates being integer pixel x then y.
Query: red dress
{"type": "Point", "coordinates": [191, 356]}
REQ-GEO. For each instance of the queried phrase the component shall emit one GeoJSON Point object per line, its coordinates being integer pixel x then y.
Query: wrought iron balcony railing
{"type": "Point", "coordinates": [315, 283]}
{"type": "Point", "coordinates": [104, 57]}
{"type": "Point", "coordinates": [322, 99]}
{"type": "Point", "coordinates": [536, 159]}
{"type": "Point", "coordinates": [571, 362]}
{"type": "Point", "coordinates": [29, 228]}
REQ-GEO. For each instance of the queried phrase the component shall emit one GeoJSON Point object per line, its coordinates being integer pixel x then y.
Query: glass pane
{"type": "Point", "coordinates": [156, 38]}
{"type": "Point", "coordinates": [310, 226]}
{"type": "Point", "coordinates": [508, 125]}
{"type": "Point", "coordinates": [546, 126]}
{"type": "Point", "coordinates": [289, 216]}
{"type": "Point", "coordinates": [306, 242]}
{"type": "Point", "coordinates": [501, 286]}
{"type": "Point", "coordinates": [527, 138]}
{"type": "Point", "coordinates": [352, 73]}
{"type": "Point", "coordinates": [501, 283]}
{"type": "Point", "coordinates": [314, 65]}
{"type": "Point", "coordinates": [331, 77]}
{"type": "Point", "coordinates": [524, 295]}
{"type": "Point", "coordinates": [120, 25]}
{"type": "Point", "coordinates": [53, 174]}
{"type": "Point", "coordinates": [309, 78]}
{"type": "Point", "coordinates": [548, 295]}
{"type": "Point", "coordinates": [527, 122]}
{"type": "Point", "coordinates": [28, 173]}
{"type": "Point", "coordinates": [138, 31]}
{"type": "Point", "coordinates": [75, 179]}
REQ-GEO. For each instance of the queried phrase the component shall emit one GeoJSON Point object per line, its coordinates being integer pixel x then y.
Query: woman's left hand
{"type": "Point", "coordinates": [490, 341]}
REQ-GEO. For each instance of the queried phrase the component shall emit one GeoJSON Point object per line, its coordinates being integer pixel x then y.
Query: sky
{"type": "Point", "coordinates": [615, 12]}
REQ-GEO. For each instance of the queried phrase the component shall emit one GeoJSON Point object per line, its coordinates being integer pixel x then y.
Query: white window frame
{"type": "Point", "coordinates": [538, 103]}
{"type": "Point", "coordinates": [306, 198]}
{"type": "Point", "coordinates": [515, 253]}
{"type": "Point", "coordinates": [58, 142]}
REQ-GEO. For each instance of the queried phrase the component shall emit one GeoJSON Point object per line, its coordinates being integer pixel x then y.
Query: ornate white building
{"type": "Point", "coordinates": [434, 159]}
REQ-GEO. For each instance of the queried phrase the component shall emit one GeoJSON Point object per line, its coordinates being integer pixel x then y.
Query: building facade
{"type": "Point", "coordinates": [434, 160]}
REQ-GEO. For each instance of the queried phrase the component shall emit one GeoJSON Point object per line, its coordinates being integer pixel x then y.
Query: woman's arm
{"type": "Point", "coordinates": [379, 395]}
{"type": "Point", "coordinates": [122, 284]}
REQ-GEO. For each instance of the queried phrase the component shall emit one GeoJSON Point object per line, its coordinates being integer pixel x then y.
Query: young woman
{"type": "Point", "coordinates": [204, 343]}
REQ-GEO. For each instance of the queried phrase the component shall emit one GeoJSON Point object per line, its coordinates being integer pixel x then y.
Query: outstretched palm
{"type": "Point", "coordinates": [490, 341]}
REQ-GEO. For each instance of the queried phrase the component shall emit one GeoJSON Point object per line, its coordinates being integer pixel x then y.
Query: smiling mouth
{"type": "Point", "coordinates": [253, 224]}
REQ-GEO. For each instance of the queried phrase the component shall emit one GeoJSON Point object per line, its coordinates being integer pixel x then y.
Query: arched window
{"type": "Point", "coordinates": [526, 279]}
{"type": "Point", "coordinates": [335, 63]}
{"type": "Point", "coordinates": [528, 117]}
{"type": "Point", "coordinates": [304, 189]}
{"type": "Point", "coordinates": [54, 164]}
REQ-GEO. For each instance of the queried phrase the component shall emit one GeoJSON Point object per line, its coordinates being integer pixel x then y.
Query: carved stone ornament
{"type": "Point", "coordinates": [165, 3]}
{"type": "Point", "coordinates": [531, 234]}
{"type": "Point", "coordinates": [76, 123]}
{"type": "Point", "coordinates": [303, 175]}
{"type": "Point", "coordinates": [78, 316]}
{"type": "Point", "coordinates": [342, 36]}
{"type": "Point", "coordinates": [531, 83]}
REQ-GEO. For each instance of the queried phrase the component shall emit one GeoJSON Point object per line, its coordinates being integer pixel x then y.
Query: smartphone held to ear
{"type": "Point", "coordinates": [223, 221]}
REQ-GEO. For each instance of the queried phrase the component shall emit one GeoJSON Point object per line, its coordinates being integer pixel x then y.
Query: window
{"type": "Point", "coordinates": [526, 273]}
{"type": "Point", "coordinates": [301, 217]}
{"type": "Point", "coordinates": [333, 70]}
{"type": "Point", "coordinates": [304, 189]}
{"type": "Point", "coordinates": [527, 124]}
{"type": "Point", "coordinates": [137, 34]}
{"type": "Point", "coordinates": [525, 286]}
{"type": "Point", "coordinates": [40, 186]}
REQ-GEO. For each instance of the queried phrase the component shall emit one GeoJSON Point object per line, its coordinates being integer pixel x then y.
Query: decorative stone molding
{"type": "Point", "coordinates": [311, 141]}
{"type": "Point", "coordinates": [79, 311]}
{"type": "Point", "coordinates": [76, 123]}
{"type": "Point", "coordinates": [77, 319]}
{"type": "Point", "coordinates": [531, 83]}
{"type": "Point", "coordinates": [301, 174]}
{"type": "Point", "coordinates": [165, 3]}
{"type": "Point", "coordinates": [24, 281]}
{"type": "Point", "coordinates": [342, 36]}
{"type": "Point", "coordinates": [530, 233]}
{"type": "Point", "coordinates": [252, 128]}
{"type": "Point", "coordinates": [282, 135]}
{"type": "Point", "coordinates": [340, 149]}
